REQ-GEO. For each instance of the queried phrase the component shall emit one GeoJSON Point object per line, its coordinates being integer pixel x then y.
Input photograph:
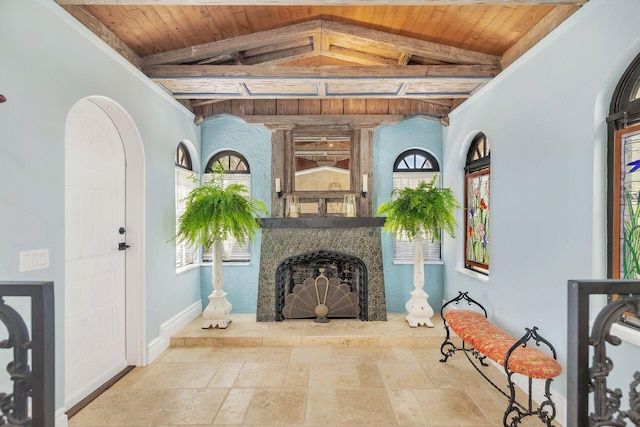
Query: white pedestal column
{"type": "Point", "coordinates": [219, 308]}
{"type": "Point", "coordinates": [420, 312]}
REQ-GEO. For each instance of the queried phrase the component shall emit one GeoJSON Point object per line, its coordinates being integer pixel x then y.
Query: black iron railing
{"type": "Point", "coordinates": [587, 381]}
{"type": "Point", "coordinates": [37, 382]}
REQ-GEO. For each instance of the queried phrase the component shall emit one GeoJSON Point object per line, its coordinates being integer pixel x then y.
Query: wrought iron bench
{"type": "Point", "coordinates": [482, 340]}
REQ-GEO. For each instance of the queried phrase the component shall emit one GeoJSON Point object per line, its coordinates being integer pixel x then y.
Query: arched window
{"type": "Point", "coordinates": [411, 167]}
{"type": "Point", "coordinates": [183, 158]}
{"type": "Point", "coordinates": [236, 170]}
{"type": "Point", "coordinates": [231, 162]}
{"type": "Point", "coordinates": [624, 180]}
{"type": "Point", "coordinates": [477, 174]}
{"type": "Point", "coordinates": [184, 183]}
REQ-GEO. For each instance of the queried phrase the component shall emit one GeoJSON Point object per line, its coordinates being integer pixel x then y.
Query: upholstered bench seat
{"type": "Point", "coordinates": [474, 329]}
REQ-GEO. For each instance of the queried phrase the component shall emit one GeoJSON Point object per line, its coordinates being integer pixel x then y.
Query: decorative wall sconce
{"type": "Point", "coordinates": [365, 185]}
{"type": "Point", "coordinates": [278, 188]}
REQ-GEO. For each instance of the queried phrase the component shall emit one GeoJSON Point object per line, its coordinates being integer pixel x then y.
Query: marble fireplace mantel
{"type": "Point", "coordinates": [283, 238]}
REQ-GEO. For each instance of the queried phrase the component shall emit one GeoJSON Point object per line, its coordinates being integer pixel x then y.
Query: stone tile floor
{"type": "Point", "coordinates": [301, 373]}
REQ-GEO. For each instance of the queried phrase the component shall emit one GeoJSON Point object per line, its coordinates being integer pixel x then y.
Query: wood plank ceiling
{"type": "Point", "coordinates": [261, 57]}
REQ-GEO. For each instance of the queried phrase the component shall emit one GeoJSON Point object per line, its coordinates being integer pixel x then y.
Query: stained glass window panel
{"type": "Point", "coordinates": [630, 214]}
{"type": "Point", "coordinates": [478, 232]}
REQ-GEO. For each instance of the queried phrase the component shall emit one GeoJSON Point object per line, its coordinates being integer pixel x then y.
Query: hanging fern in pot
{"type": "Point", "coordinates": [213, 213]}
{"type": "Point", "coordinates": [425, 210]}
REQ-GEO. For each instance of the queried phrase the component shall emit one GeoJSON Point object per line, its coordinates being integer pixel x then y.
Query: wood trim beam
{"type": "Point", "coordinates": [316, 2]}
{"type": "Point", "coordinates": [547, 24]}
{"type": "Point", "coordinates": [373, 71]}
{"type": "Point", "coordinates": [105, 34]}
{"type": "Point", "coordinates": [365, 36]}
{"type": "Point", "coordinates": [352, 121]}
{"type": "Point", "coordinates": [229, 47]}
{"type": "Point", "coordinates": [342, 41]}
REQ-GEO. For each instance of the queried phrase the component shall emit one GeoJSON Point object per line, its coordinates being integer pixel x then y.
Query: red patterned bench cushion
{"type": "Point", "coordinates": [474, 329]}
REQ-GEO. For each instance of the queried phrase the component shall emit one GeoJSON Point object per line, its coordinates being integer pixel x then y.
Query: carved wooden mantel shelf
{"type": "Point", "coordinates": [313, 222]}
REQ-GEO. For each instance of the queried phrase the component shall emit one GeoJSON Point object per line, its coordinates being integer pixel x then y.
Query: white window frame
{"type": "Point", "coordinates": [185, 181]}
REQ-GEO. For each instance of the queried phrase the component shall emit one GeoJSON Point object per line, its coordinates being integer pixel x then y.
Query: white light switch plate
{"type": "Point", "coordinates": [34, 260]}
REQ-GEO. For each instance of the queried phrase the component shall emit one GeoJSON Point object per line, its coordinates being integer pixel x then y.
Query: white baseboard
{"type": "Point", "coordinates": [170, 327]}
{"type": "Point", "coordinates": [537, 392]}
{"type": "Point", "coordinates": [61, 418]}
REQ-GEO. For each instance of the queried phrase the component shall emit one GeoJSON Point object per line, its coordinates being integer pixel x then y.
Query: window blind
{"type": "Point", "coordinates": [232, 250]}
{"type": "Point", "coordinates": [185, 254]}
{"type": "Point", "coordinates": [403, 249]}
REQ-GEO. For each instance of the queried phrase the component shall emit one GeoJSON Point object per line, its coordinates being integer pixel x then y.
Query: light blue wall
{"type": "Point", "coordinates": [240, 281]}
{"type": "Point", "coordinates": [545, 119]}
{"type": "Point", "coordinates": [50, 62]}
{"type": "Point", "coordinates": [390, 141]}
{"type": "Point", "coordinates": [253, 142]}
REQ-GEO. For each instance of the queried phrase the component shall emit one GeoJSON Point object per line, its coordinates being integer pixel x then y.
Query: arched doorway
{"type": "Point", "coordinates": [104, 246]}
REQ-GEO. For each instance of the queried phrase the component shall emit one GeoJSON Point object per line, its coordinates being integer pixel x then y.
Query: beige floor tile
{"type": "Point", "coordinates": [331, 375]}
{"type": "Point", "coordinates": [311, 354]}
{"type": "Point", "coordinates": [364, 407]}
{"type": "Point", "coordinates": [440, 376]}
{"type": "Point", "coordinates": [123, 408]}
{"type": "Point", "coordinates": [297, 375]}
{"type": "Point", "coordinates": [174, 375]}
{"type": "Point", "coordinates": [277, 407]}
{"type": "Point", "coordinates": [321, 408]}
{"type": "Point", "coordinates": [195, 355]}
{"type": "Point", "coordinates": [449, 407]}
{"type": "Point", "coordinates": [226, 374]}
{"type": "Point", "coordinates": [406, 408]}
{"type": "Point", "coordinates": [261, 374]}
{"type": "Point", "coordinates": [369, 375]}
{"type": "Point", "coordinates": [234, 407]}
{"type": "Point", "coordinates": [404, 375]}
{"type": "Point", "coordinates": [190, 407]}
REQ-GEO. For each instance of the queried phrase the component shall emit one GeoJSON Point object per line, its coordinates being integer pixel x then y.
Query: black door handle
{"type": "Point", "coordinates": [122, 246]}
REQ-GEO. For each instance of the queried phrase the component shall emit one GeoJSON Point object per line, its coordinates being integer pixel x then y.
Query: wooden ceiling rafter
{"type": "Point", "coordinates": [317, 2]}
{"type": "Point", "coordinates": [319, 59]}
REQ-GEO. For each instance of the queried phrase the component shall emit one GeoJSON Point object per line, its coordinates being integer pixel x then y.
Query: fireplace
{"type": "Point", "coordinates": [348, 272]}
{"type": "Point", "coordinates": [344, 247]}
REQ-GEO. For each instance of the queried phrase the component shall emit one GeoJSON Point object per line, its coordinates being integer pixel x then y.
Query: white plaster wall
{"type": "Point", "coordinates": [545, 119]}
{"type": "Point", "coordinates": [48, 62]}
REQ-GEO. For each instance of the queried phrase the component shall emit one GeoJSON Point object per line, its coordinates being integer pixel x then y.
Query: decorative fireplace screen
{"type": "Point", "coordinates": [347, 272]}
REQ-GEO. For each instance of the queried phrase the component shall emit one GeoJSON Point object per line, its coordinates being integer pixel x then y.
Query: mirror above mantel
{"type": "Point", "coordinates": [322, 162]}
{"type": "Point", "coordinates": [321, 168]}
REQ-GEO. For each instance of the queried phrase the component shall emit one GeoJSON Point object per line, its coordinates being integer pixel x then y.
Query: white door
{"type": "Point", "coordinates": [95, 349]}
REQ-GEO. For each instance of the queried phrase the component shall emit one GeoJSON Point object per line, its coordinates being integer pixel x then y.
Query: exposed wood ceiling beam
{"type": "Point", "coordinates": [102, 31]}
{"type": "Point", "coordinates": [289, 82]}
{"type": "Point", "coordinates": [342, 41]}
{"type": "Point", "coordinates": [359, 36]}
{"type": "Point", "coordinates": [232, 71]}
{"type": "Point", "coordinates": [231, 46]}
{"type": "Point", "coordinates": [316, 2]}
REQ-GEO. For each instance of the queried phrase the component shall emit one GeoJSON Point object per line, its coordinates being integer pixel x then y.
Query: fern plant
{"type": "Point", "coordinates": [215, 212]}
{"type": "Point", "coordinates": [426, 208]}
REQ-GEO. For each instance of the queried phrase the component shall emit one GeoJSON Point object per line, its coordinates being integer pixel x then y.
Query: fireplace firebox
{"type": "Point", "coordinates": [347, 269]}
